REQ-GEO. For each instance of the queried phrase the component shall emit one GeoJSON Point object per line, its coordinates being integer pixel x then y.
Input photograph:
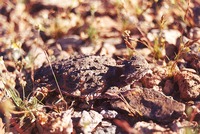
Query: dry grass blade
{"type": "Point", "coordinates": [132, 111]}
{"type": "Point", "coordinates": [62, 98]}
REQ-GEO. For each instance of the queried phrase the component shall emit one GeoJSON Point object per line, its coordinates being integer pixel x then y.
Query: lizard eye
{"type": "Point", "coordinates": [137, 67]}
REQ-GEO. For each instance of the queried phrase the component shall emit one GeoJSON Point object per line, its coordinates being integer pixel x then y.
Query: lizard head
{"type": "Point", "coordinates": [134, 69]}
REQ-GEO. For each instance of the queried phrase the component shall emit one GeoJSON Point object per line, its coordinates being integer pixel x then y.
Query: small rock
{"type": "Point", "coordinates": [108, 49]}
{"type": "Point", "coordinates": [106, 130]}
{"type": "Point", "coordinates": [193, 56]}
{"type": "Point", "coordinates": [89, 120]}
{"type": "Point", "coordinates": [171, 51]}
{"type": "Point", "coordinates": [153, 79]}
{"type": "Point", "coordinates": [151, 104]}
{"type": "Point", "coordinates": [189, 85]}
{"type": "Point", "coordinates": [150, 128]}
{"type": "Point", "coordinates": [193, 111]}
{"type": "Point", "coordinates": [194, 33]}
{"type": "Point", "coordinates": [196, 11]}
{"type": "Point", "coordinates": [39, 55]}
{"type": "Point", "coordinates": [106, 124]}
{"type": "Point", "coordinates": [169, 35]}
{"type": "Point", "coordinates": [58, 122]}
{"type": "Point", "coordinates": [71, 41]}
{"type": "Point", "coordinates": [169, 87]}
{"type": "Point", "coordinates": [109, 114]}
{"type": "Point", "coordinates": [180, 127]}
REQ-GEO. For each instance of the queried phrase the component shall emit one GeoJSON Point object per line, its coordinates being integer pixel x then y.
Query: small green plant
{"type": "Point", "coordinates": [159, 42]}
{"type": "Point", "coordinates": [183, 49]}
{"type": "Point", "coordinates": [25, 107]}
{"type": "Point", "coordinates": [157, 47]}
{"type": "Point", "coordinates": [132, 42]}
{"type": "Point", "coordinates": [188, 16]}
{"type": "Point", "coordinates": [91, 31]}
{"type": "Point", "coordinates": [191, 112]}
{"type": "Point", "coordinates": [182, 10]}
{"type": "Point", "coordinates": [190, 130]}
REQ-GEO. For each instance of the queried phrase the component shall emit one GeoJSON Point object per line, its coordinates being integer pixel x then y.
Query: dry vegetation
{"type": "Point", "coordinates": [34, 33]}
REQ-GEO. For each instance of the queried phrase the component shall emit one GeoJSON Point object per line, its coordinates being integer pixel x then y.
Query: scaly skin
{"type": "Point", "coordinates": [89, 76]}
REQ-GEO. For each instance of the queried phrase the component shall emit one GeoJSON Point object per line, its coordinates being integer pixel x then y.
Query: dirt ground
{"type": "Point", "coordinates": [162, 97]}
